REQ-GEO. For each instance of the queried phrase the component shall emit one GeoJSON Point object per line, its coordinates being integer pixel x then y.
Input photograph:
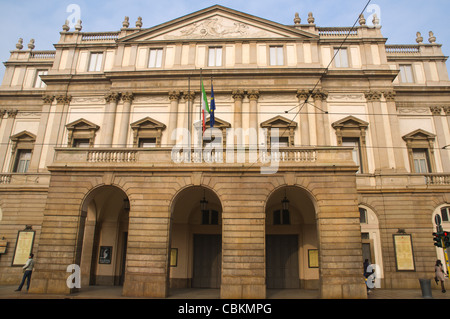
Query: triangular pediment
{"type": "Point", "coordinates": [419, 134]}
{"type": "Point", "coordinates": [148, 123]}
{"type": "Point", "coordinates": [217, 22]}
{"type": "Point", "coordinates": [82, 124]}
{"type": "Point", "coordinates": [278, 122]}
{"type": "Point", "coordinates": [218, 123]}
{"type": "Point", "coordinates": [350, 122]}
{"type": "Point", "coordinates": [24, 136]}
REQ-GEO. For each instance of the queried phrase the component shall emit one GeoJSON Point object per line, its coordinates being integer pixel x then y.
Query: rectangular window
{"type": "Point", "coordinates": [421, 161]}
{"type": "Point", "coordinates": [341, 58]}
{"type": "Point", "coordinates": [23, 159]}
{"type": "Point", "coordinates": [210, 217]}
{"type": "Point", "coordinates": [283, 141]}
{"type": "Point", "coordinates": [362, 216]}
{"type": "Point", "coordinates": [445, 213]}
{"type": "Point", "coordinates": [147, 142]}
{"type": "Point", "coordinates": [155, 59]}
{"type": "Point", "coordinates": [276, 55]}
{"type": "Point", "coordinates": [215, 56]}
{"type": "Point", "coordinates": [38, 83]}
{"type": "Point", "coordinates": [281, 217]}
{"type": "Point", "coordinates": [406, 74]}
{"type": "Point", "coordinates": [354, 142]}
{"type": "Point", "coordinates": [95, 62]}
{"type": "Point", "coordinates": [81, 142]}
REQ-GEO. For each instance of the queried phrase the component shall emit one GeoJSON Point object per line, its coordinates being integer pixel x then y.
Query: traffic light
{"type": "Point", "coordinates": [446, 239]}
{"type": "Point", "coordinates": [437, 238]}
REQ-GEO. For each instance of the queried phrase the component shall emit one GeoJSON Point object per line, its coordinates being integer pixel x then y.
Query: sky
{"type": "Point", "coordinates": [42, 20]}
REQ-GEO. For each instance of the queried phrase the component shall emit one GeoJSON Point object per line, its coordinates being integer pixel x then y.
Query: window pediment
{"type": "Point", "coordinates": [81, 129]}
{"type": "Point", "coordinates": [278, 122]}
{"type": "Point", "coordinates": [147, 128]}
{"type": "Point", "coordinates": [419, 135]}
{"type": "Point", "coordinates": [350, 122]}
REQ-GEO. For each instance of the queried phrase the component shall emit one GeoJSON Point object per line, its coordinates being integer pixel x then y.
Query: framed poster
{"type": "Point", "coordinates": [24, 247]}
{"type": "Point", "coordinates": [404, 257]}
{"type": "Point", "coordinates": [173, 257]}
{"type": "Point", "coordinates": [105, 255]}
{"type": "Point", "coordinates": [313, 258]}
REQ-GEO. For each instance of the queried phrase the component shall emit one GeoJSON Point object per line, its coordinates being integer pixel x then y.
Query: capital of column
{"type": "Point", "coordinates": [112, 97]}
{"type": "Point", "coordinates": [435, 110]}
{"type": "Point", "coordinates": [302, 95]}
{"type": "Point", "coordinates": [238, 95]}
{"type": "Point", "coordinates": [128, 97]}
{"type": "Point", "coordinates": [12, 113]}
{"type": "Point", "coordinates": [189, 96]}
{"type": "Point", "coordinates": [253, 95]}
{"type": "Point", "coordinates": [63, 99]}
{"type": "Point", "coordinates": [320, 95]}
{"type": "Point", "coordinates": [174, 95]}
{"type": "Point", "coordinates": [373, 96]}
{"type": "Point", "coordinates": [446, 110]}
{"type": "Point", "coordinates": [48, 99]}
{"type": "Point", "coordinates": [389, 96]}
{"type": "Point", "coordinates": [2, 113]}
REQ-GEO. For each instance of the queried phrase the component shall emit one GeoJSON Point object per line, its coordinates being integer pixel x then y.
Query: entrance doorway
{"type": "Point", "coordinates": [103, 254]}
{"type": "Point", "coordinates": [291, 240]}
{"type": "Point", "coordinates": [196, 239]}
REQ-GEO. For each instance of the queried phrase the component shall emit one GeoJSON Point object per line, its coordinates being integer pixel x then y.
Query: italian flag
{"type": "Point", "coordinates": [205, 107]}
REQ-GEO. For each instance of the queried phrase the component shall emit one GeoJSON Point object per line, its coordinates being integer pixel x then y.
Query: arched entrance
{"type": "Point", "coordinates": [196, 239]}
{"type": "Point", "coordinates": [106, 210]}
{"type": "Point", "coordinates": [291, 240]}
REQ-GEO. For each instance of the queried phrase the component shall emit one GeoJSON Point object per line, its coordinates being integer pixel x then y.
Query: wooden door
{"type": "Point", "coordinates": [207, 261]}
{"type": "Point", "coordinates": [282, 262]}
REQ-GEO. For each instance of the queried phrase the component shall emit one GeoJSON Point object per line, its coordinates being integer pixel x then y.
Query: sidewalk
{"type": "Point", "coordinates": [115, 292]}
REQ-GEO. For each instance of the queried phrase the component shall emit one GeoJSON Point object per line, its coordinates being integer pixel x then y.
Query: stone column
{"type": "Point", "coordinates": [174, 97]}
{"type": "Point", "coordinates": [238, 96]}
{"type": "Point", "coordinates": [57, 126]}
{"type": "Point", "coordinates": [376, 126]}
{"type": "Point", "coordinates": [320, 124]}
{"type": "Point", "coordinates": [447, 113]}
{"type": "Point", "coordinates": [127, 99]}
{"type": "Point", "coordinates": [189, 98]}
{"type": "Point", "coordinates": [440, 135]}
{"type": "Point", "coordinates": [397, 141]}
{"type": "Point", "coordinates": [303, 121]}
{"type": "Point", "coordinates": [7, 134]}
{"type": "Point", "coordinates": [253, 118]}
{"type": "Point", "coordinates": [40, 137]}
{"type": "Point", "coordinates": [109, 119]}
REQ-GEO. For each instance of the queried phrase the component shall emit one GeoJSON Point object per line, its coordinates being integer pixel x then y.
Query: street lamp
{"type": "Point", "coordinates": [203, 203]}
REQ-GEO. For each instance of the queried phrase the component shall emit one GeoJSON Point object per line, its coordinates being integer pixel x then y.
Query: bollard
{"type": "Point", "coordinates": [425, 284]}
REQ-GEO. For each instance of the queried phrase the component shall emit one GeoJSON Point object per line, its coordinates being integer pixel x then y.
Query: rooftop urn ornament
{"type": "Point", "coordinates": [78, 26]}
{"type": "Point", "coordinates": [376, 21]}
{"type": "Point", "coordinates": [66, 26]}
{"type": "Point", "coordinates": [419, 37]}
{"type": "Point", "coordinates": [139, 22]}
{"type": "Point", "coordinates": [297, 19]}
{"type": "Point", "coordinates": [126, 22]}
{"type": "Point", "coordinates": [432, 38]}
{"type": "Point", "coordinates": [31, 45]}
{"type": "Point", "coordinates": [310, 18]}
{"type": "Point", "coordinates": [362, 20]}
{"type": "Point", "coordinates": [19, 45]}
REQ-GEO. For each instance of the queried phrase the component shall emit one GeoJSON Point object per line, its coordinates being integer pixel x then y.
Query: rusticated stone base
{"type": "Point", "coordinates": [243, 291]}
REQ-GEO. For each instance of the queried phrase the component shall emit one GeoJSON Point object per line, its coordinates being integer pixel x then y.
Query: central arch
{"type": "Point", "coordinates": [105, 213]}
{"type": "Point", "coordinates": [291, 240]}
{"type": "Point", "coordinates": [196, 239]}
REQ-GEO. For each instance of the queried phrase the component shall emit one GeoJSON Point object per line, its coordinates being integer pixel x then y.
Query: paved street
{"type": "Point", "coordinates": [108, 292]}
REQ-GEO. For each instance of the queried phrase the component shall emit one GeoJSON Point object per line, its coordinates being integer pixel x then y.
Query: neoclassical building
{"type": "Point", "coordinates": [330, 147]}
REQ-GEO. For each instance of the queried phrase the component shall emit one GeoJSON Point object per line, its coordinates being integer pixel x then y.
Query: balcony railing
{"type": "Point", "coordinates": [164, 156]}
